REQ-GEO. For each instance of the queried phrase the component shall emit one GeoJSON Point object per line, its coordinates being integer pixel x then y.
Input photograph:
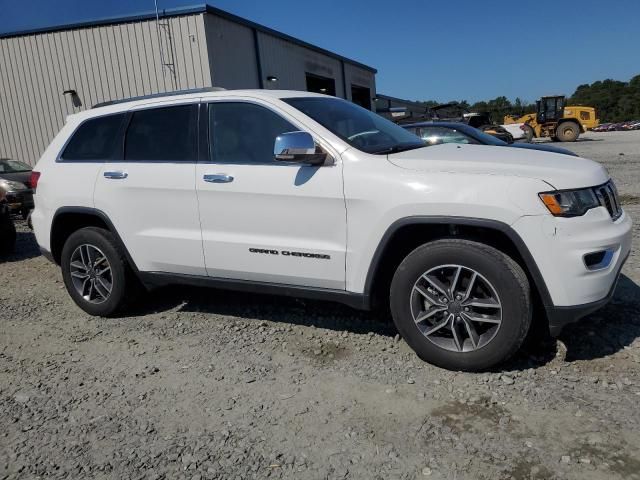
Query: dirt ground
{"type": "Point", "coordinates": [201, 384]}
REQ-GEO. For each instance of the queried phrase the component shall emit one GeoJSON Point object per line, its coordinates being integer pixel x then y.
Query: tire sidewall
{"type": "Point", "coordinates": [574, 128]}
{"type": "Point", "coordinates": [515, 305]}
{"type": "Point", "coordinates": [100, 240]}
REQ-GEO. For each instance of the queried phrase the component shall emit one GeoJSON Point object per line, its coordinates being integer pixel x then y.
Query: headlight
{"type": "Point", "coordinates": [11, 186]}
{"type": "Point", "coordinates": [570, 203]}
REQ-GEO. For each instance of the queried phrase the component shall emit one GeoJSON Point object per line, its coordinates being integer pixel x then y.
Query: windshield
{"type": "Point", "coordinates": [13, 166]}
{"type": "Point", "coordinates": [360, 128]}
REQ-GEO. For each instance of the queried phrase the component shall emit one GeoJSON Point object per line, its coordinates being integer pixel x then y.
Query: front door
{"type": "Point", "coordinates": [149, 192]}
{"type": "Point", "coordinates": [264, 220]}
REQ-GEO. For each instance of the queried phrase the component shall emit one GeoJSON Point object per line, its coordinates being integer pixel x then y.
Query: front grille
{"type": "Point", "coordinates": [608, 197]}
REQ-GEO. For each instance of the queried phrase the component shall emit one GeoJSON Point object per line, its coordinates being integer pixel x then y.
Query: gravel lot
{"type": "Point", "coordinates": [202, 384]}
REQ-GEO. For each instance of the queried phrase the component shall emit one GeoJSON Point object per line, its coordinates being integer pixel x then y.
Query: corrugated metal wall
{"type": "Point", "coordinates": [232, 53]}
{"type": "Point", "coordinates": [289, 63]}
{"type": "Point", "coordinates": [359, 77]}
{"type": "Point", "coordinates": [234, 60]}
{"type": "Point", "coordinates": [101, 63]}
{"type": "Point", "coordinates": [121, 60]}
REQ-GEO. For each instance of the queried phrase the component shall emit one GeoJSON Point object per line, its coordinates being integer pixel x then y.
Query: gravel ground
{"type": "Point", "coordinates": [202, 384]}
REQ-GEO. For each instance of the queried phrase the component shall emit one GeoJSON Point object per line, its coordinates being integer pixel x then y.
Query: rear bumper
{"type": "Point", "coordinates": [20, 200]}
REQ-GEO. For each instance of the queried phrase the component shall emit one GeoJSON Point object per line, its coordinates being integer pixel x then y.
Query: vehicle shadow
{"type": "Point", "coordinates": [609, 330]}
{"type": "Point", "coordinates": [280, 309]}
{"type": "Point", "coordinates": [603, 333]}
{"type": "Point", "coordinates": [26, 248]}
{"type": "Point", "coordinates": [598, 335]}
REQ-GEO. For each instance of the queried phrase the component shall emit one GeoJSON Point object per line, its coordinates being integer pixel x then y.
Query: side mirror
{"type": "Point", "coordinates": [297, 147]}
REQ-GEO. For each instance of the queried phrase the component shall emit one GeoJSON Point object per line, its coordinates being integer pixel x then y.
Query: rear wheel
{"type": "Point", "coordinates": [567, 132]}
{"type": "Point", "coordinates": [96, 272]}
{"type": "Point", "coordinates": [460, 304]}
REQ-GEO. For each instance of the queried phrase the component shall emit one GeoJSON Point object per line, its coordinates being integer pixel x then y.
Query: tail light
{"type": "Point", "coordinates": [523, 127]}
{"type": "Point", "coordinates": [33, 180]}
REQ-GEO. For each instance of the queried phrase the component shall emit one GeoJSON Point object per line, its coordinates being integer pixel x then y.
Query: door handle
{"type": "Point", "coordinates": [218, 178]}
{"type": "Point", "coordinates": [116, 175]}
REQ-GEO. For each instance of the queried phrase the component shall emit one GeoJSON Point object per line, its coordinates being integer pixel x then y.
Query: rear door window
{"type": "Point", "coordinates": [162, 134]}
{"type": "Point", "coordinates": [95, 139]}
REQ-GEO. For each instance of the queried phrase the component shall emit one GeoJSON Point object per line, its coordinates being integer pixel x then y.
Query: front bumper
{"type": "Point", "coordinates": [558, 247]}
{"type": "Point", "coordinates": [559, 317]}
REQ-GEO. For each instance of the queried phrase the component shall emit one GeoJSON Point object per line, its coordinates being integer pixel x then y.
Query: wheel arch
{"type": "Point", "coordinates": [406, 234]}
{"type": "Point", "coordinates": [67, 220]}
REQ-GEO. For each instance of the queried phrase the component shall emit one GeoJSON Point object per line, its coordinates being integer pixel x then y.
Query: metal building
{"type": "Point", "coordinates": [48, 73]}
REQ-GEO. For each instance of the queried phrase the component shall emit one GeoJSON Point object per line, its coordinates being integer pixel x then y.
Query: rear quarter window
{"type": "Point", "coordinates": [95, 139]}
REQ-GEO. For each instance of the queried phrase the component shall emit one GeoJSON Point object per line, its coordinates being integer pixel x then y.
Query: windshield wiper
{"type": "Point", "coordinates": [398, 148]}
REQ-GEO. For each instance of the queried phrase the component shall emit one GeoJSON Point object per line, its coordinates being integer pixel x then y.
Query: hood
{"type": "Point", "coordinates": [560, 171]}
{"type": "Point", "coordinates": [544, 148]}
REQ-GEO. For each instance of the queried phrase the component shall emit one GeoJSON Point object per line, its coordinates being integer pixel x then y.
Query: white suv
{"type": "Point", "coordinates": [308, 195]}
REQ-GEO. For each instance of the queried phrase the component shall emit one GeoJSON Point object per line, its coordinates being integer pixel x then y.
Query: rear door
{"type": "Point", "coordinates": [264, 220]}
{"type": "Point", "coordinates": [149, 192]}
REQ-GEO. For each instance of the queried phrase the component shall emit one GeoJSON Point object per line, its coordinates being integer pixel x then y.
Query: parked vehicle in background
{"type": "Point", "coordinates": [631, 125]}
{"type": "Point", "coordinates": [556, 120]}
{"type": "Point", "coordinates": [7, 228]}
{"type": "Point", "coordinates": [454, 112]}
{"type": "Point", "coordinates": [602, 127]}
{"type": "Point", "coordinates": [618, 127]}
{"type": "Point", "coordinates": [516, 130]}
{"type": "Point", "coordinates": [303, 194]}
{"type": "Point", "coordinates": [14, 181]}
{"type": "Point", "coordinates": [435, 133]}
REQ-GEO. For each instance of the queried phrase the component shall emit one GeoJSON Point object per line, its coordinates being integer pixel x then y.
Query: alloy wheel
{"type": "Point", "coordinates": [456, 308]}
{"type": "Point", "coordinates": [91, 273]}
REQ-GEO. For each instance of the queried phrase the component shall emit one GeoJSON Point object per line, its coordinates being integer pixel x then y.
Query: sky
{"type": "Point", "coordinates": [424, 50]}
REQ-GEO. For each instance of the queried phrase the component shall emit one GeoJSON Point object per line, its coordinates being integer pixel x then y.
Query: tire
{"type": "Point", "coordinates": [498, 277]}
{"type": "Point", "coordinates": [124, 285]}
{"type": "Point", "coordinates": [528, 133]}
{"type": "Point", "coordinates": [7, 235]}
{"type": "Point", "coordinates": [567, 132]}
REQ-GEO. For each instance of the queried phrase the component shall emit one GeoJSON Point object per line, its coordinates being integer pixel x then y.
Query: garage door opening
{"type": "Point", "coordinates": [361, 96]}
{"type": "Point", "coordinates": [318, 84]}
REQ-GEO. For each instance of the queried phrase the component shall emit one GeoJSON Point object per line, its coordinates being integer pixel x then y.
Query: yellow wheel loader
{"type": "Point", "coordinates": [555, 120]}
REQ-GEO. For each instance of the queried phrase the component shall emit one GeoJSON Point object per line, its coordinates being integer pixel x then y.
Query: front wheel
{"type": "Point", "coordinates": [96, 273]}
{"type": "Point", "coordinates": [460, 304]}
{"type": "Point", "coordinates": [567, 132]}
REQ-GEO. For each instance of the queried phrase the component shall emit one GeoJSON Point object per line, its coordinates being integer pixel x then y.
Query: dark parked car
{"type": "Point", "coordinates": [434, 133]}
{"type": "Point", "coordinates": [15, 183]}
{"type": "Point", "coordinates": [7, 228]}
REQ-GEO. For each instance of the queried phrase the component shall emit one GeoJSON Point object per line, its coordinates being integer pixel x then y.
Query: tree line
{"type": "Point", "coordinates": [614, 101]}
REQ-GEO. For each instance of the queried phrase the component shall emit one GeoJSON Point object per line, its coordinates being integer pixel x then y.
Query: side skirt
{"type": "Point", "coordinates": [358, 301]}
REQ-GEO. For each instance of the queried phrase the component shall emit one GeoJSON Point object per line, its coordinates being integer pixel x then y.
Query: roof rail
{"type": "Point", "coordinates": [159, 95]}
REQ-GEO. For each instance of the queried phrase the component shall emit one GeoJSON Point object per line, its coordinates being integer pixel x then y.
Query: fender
{"type": "Point", "coordinates": [102, 216]}
{"type": "Point", "coordinates": [502, 227]}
